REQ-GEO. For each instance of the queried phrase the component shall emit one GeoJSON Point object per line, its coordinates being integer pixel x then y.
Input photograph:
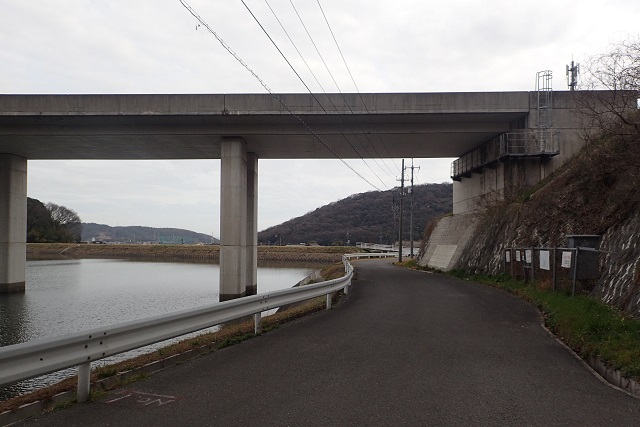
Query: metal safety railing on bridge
{"type": "Point", "coordinates": [34, 358]}
{"type": "Point", "coordinates": [516, 143]}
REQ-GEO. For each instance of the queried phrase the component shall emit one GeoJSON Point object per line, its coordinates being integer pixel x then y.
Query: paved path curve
{"type": "Point", "coordinates": [405, 348]}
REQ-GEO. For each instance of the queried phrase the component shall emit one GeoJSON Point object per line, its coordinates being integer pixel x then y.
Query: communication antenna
{"type": "Point", "coordinates": [572, 75]}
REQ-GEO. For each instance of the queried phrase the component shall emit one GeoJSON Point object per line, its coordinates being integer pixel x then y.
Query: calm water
{"type": "Point", "coordinates": [66, 296]}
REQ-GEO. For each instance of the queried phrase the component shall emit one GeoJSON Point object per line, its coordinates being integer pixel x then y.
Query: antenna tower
{"type": "Point", "coordinates": [572, 75]}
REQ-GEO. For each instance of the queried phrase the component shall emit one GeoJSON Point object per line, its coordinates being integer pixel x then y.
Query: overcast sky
{"type": "Point", "coordinates": [155, 46]}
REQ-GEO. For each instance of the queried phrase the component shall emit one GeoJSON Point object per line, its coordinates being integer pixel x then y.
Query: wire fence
{"type": "Point", "coordinates": [573, 270]}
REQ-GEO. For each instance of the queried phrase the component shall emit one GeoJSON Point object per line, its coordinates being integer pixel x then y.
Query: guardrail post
{"type": "Point", "coordinates": [504, 261]}
{"type": "Point", "coordinates": [575, 271]}
{"type": "Point", "coordinates": [329, 301]}
{"type": "Point", "coordinates": [533, 263]}
{"type": "Point", "coordinates": [84, 382]}
{"type": "Point", "coordinates": [257, 320]}
{"type": "Point", "coordinates": [554, 268]}
{"type": "Point", "coordinates": [513, 261]}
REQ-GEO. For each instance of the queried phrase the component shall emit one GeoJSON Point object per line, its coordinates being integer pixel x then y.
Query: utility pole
{"type": "Point", "coordinates": [394, 209]}
{"type": "Point", "coordinates": [401, 204]}
{"type": "Point", "coordinates": [411, 210]}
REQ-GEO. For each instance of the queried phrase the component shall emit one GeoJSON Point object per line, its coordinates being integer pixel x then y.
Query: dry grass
{"type": "Point", "coordinates": [192, 252]}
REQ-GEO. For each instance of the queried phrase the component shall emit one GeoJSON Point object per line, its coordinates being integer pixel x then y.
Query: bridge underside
{"type": "Point", "coordinates": [238, 129]}
{"type": "Point", "coordinates": [193, 126]}
{"type": "Point", "coordinates": [271, 137]}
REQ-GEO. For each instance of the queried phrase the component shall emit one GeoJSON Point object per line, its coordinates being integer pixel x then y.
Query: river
{"type": "Point", "coordinates": [64, 296]}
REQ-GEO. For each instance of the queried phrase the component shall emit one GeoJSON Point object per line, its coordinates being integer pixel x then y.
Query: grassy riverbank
{"type": "Point", "coordinates": [315, 254]}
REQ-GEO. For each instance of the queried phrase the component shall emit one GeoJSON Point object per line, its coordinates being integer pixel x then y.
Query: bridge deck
{"type": "Point", "coordinates": [192, 126]}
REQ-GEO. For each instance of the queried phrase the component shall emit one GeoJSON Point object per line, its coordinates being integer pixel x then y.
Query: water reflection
{"type": "Point", "coordinates": [64, 296]}
{"type": "Point", "coordinates": [13, 319]}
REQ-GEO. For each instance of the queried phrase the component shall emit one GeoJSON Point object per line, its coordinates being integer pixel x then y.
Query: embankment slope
{"type": "Point", "coordinates": [597, 192]}
{"type": "Point", "coordinates": [313, 254]}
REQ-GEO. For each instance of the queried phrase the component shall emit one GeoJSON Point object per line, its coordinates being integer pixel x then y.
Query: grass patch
{"type": "Point", "coordinates": [587, 325]}
{"type": "Point", "coordinates": [106, 372]}
{"type": "Point", "coordinates": [332, 271]}
{"type": "Point", "coordinates": [234, 340]}
{"type": "Point", "coordinates": [63, 405]}
{"type": "Point", "coordinates": [413, 265]}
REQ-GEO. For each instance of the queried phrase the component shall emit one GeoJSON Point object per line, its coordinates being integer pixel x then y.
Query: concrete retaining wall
{"type": "Point", "coordinates": [447, 241]}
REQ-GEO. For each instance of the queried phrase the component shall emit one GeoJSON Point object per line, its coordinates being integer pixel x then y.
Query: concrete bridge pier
{"type": "Point", "coordinates": [13, 222]}
{"type": "Point", "coordinates": [252, 224]}
{"type": "Point", "coordinates": [238, 220]}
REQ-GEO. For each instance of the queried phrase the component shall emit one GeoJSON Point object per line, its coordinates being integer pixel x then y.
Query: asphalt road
{"type": "Point", "coordinates": [405, 348]}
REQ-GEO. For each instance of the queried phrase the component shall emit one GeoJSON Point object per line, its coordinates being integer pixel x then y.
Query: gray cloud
{"type": "Point", "coordinates": [83, 46]}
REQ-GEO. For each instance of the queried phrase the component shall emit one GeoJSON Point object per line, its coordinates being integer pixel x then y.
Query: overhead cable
{"type": "Point", "coordinates": [390, 173]}
{"type": "Point", "coordinates": [334, 80]}
{"type": "Point", "coordinates": [309, 90]}
{"type": "Point", "coordinates": [266, 87]}
{"type": "Point", "coordinates": [364, 104]}
{"type": "Point", "coordinates": [295, 47]}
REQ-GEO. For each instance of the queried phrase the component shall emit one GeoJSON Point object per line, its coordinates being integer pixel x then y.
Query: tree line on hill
{"type": "Point", "coordinates": [49, 223]}
{"type": "Point", "coordinates": [141, 234]}
{"type": "Point", "coordinates": [366, 217]}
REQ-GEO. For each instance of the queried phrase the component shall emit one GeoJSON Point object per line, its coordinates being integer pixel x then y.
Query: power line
{"type": "Point", "coordinates": [364, 104]}
{"type": "Point", "coordinates": [296, 48]}
{"type": "Point", "coordinates": [307, 87]}
{"type": "Point", "coordinates": [281, 54]}
{"type": "Point", "coordinates": [325, 92]}
{"type": "Point", "coordinates": [266, 87]}
{"type": "Point", "coordinates": [340, 50]}
{"type": "Point", "coordinates": [336, 83]}
{"type": "Point", "coordinates": [315, 46]}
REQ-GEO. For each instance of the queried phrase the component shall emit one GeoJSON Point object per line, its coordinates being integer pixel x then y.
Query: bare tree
{"type": "Point", "coordinates": [66, 219]}
{"type": "Point", "coordinates": [610, 90]}
{"type": "Point", "coordinates": [608, 98]}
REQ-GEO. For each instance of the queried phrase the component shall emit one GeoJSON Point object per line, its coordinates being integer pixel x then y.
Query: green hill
{"type": "Point", "coordinates": [139, 234]}
{"type": "Point", "coordinates": [365, 217]}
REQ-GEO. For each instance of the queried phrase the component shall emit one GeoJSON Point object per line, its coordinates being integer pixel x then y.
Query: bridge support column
{"type": "Point", "coordinates": [238, 220]}
{"type": "Point", "coordinates": [13, 222]}
{"type": "Point", "coordinates": [252, 224]}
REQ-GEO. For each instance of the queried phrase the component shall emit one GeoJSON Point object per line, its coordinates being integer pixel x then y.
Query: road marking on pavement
{"type": "Point", "coordinates": [144, 399]}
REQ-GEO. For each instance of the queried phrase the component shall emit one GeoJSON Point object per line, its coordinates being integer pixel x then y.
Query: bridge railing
{"type": "Point", "coordinates": [34, 358]}
{"type": "Point", "coordinates": [517, 143]}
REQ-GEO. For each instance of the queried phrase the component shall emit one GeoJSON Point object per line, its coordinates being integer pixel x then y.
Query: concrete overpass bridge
{"type": "Point", "coordinates": [240, 129]}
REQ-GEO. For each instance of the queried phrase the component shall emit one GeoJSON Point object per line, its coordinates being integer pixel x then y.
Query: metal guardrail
{"type": "Point", "coordinates": [27, 360]}
{"type": "Point", "coordinates": [374, 254]}
{"type": "Point", "coordinates": [385, 248]}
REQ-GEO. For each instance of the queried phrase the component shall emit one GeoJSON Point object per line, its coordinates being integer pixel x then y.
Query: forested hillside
{"type": "Point", "coordinates": [365, 217]}
{"type": "Point", "coordinates": [139, 234]}
{"type": "Point", "coordinates": [51, 223]}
